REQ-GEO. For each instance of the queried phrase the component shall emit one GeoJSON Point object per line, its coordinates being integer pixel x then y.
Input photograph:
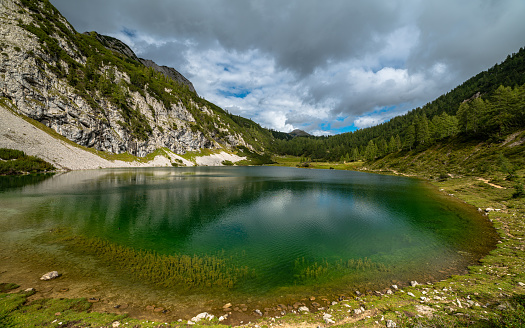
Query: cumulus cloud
{"type": "Point", "coordinates": [324, 67]}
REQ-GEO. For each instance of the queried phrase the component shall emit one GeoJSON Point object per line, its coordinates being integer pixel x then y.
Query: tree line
{"type": "Point", "coordinates": [488, 106]}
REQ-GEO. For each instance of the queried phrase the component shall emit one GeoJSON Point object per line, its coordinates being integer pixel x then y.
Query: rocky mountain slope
{"type": "Point", "coordinates": [119, 46]}
{"type": "Point", "coordinates": [94, 90]}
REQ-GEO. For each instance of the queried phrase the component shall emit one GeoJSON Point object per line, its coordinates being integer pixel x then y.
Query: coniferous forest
{"type": "Point", "coordinates": [488, 106]}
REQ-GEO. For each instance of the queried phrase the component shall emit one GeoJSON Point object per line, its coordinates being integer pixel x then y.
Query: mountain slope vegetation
{"type": "Point", "coordinates": [89, 89]}
{"type": "Point", "coordinates": [487, 107]}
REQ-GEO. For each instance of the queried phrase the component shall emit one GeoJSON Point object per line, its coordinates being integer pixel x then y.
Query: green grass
{"type": "Point", "coordinates": [294, 161]}
{"type": "Point", "coordinates": [192, 155]}
{"type": "Point", "coordinates": [493, 284]}
{"type": "Point", "coordinates": [490, 294]}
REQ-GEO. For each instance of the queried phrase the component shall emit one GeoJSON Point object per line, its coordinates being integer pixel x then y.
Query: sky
{"type": "Point", "coordinates": [322, 66]}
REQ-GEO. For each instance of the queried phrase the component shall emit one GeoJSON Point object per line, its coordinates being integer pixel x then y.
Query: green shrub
{"type": "Point", "coordinates": [8, 154]}
{"type": "Point", "coordinates": [16, 162]}
{"type": "Point", "coordinates": [519, 191]}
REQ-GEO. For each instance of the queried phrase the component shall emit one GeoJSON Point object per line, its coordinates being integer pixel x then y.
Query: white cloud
{"type": "Point", "coordinates": [305, 64]}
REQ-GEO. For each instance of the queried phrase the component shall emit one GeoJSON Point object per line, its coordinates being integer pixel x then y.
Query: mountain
{"type": "Point", "coordinates": [488, 107]}
{"type": "Point", "coordinates": [299, 133]}
{"type": "Point", "coordinates": [93, 90]}
{"type": "Point", "coordinates": [122, 48]}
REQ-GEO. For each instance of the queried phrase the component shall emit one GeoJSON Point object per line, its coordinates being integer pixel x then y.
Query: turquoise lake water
{"type": "Point", "coordinates": [279, 222]}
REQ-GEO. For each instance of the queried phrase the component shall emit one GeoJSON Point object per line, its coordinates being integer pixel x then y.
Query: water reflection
{"type": "Point", "coordinates": [264, 217]}
{"type": "Point", "coordinates": [11, 183]}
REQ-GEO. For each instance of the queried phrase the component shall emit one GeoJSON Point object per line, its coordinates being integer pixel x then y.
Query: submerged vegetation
{"type": "Point", "coordinates": [181, 271]}
{"type": "Point", "coordinates": [307, 271]}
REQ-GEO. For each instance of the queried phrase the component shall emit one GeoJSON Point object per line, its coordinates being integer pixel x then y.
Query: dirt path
{"type": "Point", "coordinates": [490, 184]}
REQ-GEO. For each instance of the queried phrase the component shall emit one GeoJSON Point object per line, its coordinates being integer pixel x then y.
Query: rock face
{"type": "Point", "coordinates": [169, 72]}
{"type": "Point", "coordinates": [119, 46]}
{"type": "Point", "coordinates": [106, 100]}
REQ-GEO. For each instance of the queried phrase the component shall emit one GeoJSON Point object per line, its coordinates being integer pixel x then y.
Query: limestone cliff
{"type": "Point", "coordinates": [119, 46]}
{"type": "Point", "coordinates": [103, 98]}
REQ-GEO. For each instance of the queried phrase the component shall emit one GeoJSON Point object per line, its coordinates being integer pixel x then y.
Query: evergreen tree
{"type": "Point", "coordinates": [410, 136]}
{"type": "Point", "coordinates": [371, 151]}
{"type": "Point", "coordinates": [355, 154]}
{"type": "Point", "coordinates": [398, 143]}
{"type": "Point", "coordinates": [421, 129]}
{"type": "Point", "coordinates": [392, 147]}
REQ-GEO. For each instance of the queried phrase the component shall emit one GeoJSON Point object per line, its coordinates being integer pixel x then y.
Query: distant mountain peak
{"type": "Point", "coordinates": [300, 133]}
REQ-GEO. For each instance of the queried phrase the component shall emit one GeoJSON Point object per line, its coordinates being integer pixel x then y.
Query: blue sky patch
{"type": "Point", "coordinates": [235, 92]}
{"type": "Point", "coordinates": [129, 32]}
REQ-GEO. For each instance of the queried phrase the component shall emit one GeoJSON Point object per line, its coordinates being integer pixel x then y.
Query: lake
{"type": "Point", "coordinates": [272, 231]}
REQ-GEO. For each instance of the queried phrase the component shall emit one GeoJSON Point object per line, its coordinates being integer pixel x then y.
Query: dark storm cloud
{"type": "Point", "coordinates": [308, 62]}
{"type": "Point", "coordinates": [300, 34]}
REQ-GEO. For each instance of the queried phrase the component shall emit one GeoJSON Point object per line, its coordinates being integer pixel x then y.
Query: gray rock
{"type": "Point", "coordinates": [303, 309]}
{"type": "Point", "coordinates": [39, 93]}
{"type": "Point", "coordinates": [258, 312]}
{"type": "Point", "coordinates": [411, 294]}
{"type": "Point", "coordinates": [328, 318]}
{"type": "Point", "coordinates": [521, 284]}
{"type": "Point", "coordinates": [50, 275]}
{"type": "Point", "coordinates": [390, 324]}
{"type": "Point", "coordinates": [201, 316]}
{"type": "Point", "coordinates": [413, 283]}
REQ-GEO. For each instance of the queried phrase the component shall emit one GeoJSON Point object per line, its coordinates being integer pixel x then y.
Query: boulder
{"type": "Point", "coordinates": [304, 309]}
{"type": "Point", "coordinates": [328, 318]}
{"type": "Point", "coordinates": [50, 275]}
{"type": "Point", "coordinates": [203, 315]}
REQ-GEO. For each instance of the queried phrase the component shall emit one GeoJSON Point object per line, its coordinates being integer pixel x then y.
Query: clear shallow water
{"type": "Point", "coordinates": [277, 221]}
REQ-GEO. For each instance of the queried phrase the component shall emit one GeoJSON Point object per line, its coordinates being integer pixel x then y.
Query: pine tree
{"type": "Point", "coordinates": [370, 151]}
{"type": "Point", "coordinates": [410, 136]}
{"type": "Point", "coordinates": [422, 130]}
{"type": "Point", "coordinates": [355, 154]}
{"type": "Point", "coordinates": [392, 147]}
{"type": "Point", "coordinates": [398, 143]}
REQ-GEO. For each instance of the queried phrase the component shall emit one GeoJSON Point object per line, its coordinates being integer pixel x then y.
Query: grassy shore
{"type": "Point", "coordinates": [492, 294]}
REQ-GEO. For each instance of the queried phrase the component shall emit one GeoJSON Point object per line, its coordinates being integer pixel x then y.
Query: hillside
{"type": "Point", "coordinates": [489, 106]}
{"type": "Point", "coordinates": [97, 93]}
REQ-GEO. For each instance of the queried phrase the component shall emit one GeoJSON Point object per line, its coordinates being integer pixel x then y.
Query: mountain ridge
{"type": "Point", "coordinates": [116, 45]}
{"type": "Point", "coordinates": [102, 99]}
